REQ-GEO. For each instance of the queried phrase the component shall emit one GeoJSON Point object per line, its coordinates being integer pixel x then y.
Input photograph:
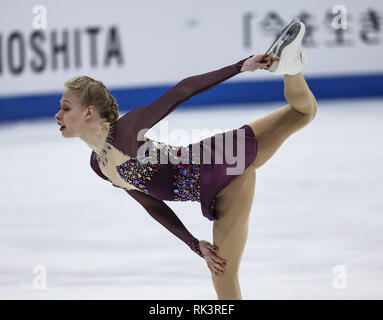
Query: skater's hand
{"type": "Point", "coordinates": [259, 61]}
{"type": "Point", "coordinates": [214, 263]}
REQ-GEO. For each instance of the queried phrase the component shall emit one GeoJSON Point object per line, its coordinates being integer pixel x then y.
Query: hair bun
{"type": "Point", "coordinates": [113, 114]}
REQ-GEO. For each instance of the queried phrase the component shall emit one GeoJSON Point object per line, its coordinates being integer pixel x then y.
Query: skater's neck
{"type": "Point", "coordinates": [95, 136]}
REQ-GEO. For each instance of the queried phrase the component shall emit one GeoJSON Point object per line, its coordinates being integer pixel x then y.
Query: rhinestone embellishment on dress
{"type": "Point", "coordinates": [139, 170]}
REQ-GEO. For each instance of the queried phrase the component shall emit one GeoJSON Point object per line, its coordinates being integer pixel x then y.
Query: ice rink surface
{"type": "Point", "coordinates": [318, 205]}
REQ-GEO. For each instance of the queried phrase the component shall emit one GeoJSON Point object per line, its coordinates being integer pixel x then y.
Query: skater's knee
{"type": "Point", "coordinates": [314, 106]}
{"type": "Point", "coordinates": [305, 104]}
{"type": "Point", "coordinates": [310, 110]}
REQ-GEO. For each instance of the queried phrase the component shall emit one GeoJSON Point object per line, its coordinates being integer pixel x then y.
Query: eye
{"type": "Point", "coordinates": [65, 109]}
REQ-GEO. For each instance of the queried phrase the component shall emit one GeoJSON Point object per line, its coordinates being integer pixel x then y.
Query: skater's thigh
{"type": "Point", "coordinates": [232, 189]}
{"type": "Point", "coordinates": [273, 129]}
{"type": "Point", "coordinates": [233, 207]}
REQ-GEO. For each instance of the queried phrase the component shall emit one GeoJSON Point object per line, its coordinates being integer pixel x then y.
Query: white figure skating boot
{"type": "Point", "coordinates": [287, 48]}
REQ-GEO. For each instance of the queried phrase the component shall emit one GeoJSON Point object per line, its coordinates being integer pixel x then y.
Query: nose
{"type": "Point", "coordinates": [57, 116]}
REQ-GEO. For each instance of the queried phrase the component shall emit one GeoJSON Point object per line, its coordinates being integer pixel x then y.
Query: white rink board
{"type": "Point", "coordinates": [161, 44]}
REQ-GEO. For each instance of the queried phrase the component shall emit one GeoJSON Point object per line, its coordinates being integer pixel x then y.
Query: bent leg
{"type": "Point", "coordinates": [233, 206]}
{"type": "Point", "coordinates": [273, 129]}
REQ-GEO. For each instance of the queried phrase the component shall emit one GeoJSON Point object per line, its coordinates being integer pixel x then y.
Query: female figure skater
{"type": "Point", "coordinates": [120, 151]}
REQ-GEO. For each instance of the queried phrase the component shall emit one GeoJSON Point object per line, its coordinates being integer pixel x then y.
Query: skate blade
{"type": "Point", "coordinates": [274, 65]}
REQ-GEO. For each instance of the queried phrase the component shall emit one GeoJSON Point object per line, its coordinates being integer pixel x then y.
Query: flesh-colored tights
{"type": "Point", "coordinates": [233, 202]}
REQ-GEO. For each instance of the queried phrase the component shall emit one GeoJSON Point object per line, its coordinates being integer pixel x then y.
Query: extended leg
{"type": "Point", "coordinates": [273, 129]}
{"type": "Point", "coordinates": [233, 207]}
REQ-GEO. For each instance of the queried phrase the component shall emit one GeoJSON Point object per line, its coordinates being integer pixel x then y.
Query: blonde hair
{"type": "Point", "coordinates": [94, 92]}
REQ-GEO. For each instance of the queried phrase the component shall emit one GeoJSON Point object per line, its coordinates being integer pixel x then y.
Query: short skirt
{"type": "Point", "coordinates": [223, 157]}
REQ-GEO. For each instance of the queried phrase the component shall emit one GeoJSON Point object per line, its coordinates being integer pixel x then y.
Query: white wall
{"type": "Point", "coordinates": [164, 41]}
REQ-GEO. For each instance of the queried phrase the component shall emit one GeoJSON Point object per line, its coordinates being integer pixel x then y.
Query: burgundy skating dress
{"type": "Point", "coordinates": [161, 172]}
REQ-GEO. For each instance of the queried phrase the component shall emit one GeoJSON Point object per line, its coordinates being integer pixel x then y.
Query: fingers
{"type": "Point", "coordinates": [216, 264]}
{"type": "Point", "coordinates": [259, 57]}
{"type": "Point", "coordinates": [214, 260]}
{"type": "Point", "coordinates": [212, 247]}
{"type": "Point", "coordinates": [268, 59]}
{"type": "Point", "coordinates": [260, 61]}
{"type": "Point", "coordinates": [215, 268]}
{"type": "Point", "coordinates": [215, 257]}
{"type": "Point", "coordinates": [219, 260]}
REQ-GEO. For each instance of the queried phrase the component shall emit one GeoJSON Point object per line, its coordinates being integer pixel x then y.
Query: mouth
{"type": "Point", "coordinates": [62, 128]}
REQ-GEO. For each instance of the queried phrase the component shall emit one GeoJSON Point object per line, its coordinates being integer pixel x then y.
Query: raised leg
{"type": "Point", "coordinates": [273, 129]}
{"type": "Point", "coordinates": [233, 206]}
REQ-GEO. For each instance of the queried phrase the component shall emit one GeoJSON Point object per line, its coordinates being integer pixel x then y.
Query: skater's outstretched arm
{"type": "Point", "coordinates": [147, 116]}
{"type": "Point", "coordinates": [166, 216]}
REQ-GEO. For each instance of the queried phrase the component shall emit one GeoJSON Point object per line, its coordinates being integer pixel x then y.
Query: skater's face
{"type": "Point", "coordinates": [72, 116]}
